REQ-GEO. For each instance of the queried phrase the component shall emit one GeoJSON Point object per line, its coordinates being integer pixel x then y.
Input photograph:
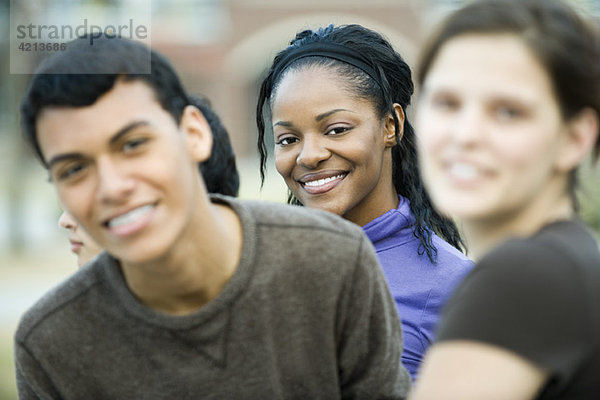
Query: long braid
{"type": "Point", "coordinates": [408, 183]}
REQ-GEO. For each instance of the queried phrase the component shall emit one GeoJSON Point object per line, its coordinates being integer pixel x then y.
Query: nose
{"type": "Point", "coordinates": [312, 152]}
{"type": "Point", "coordinates": [66, 221]}
{"type": "Point", "coordinates": [469, 127]}
{"type": "Point", "coordinates": [114, 183]}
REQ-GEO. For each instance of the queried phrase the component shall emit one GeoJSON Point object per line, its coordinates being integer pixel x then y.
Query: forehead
{"type": "Point", "coordinates": [61, 127]}
{"type": "Point", "coordinates": [316, 86]}
{"type": "Point", "coordinates": [501, 63]}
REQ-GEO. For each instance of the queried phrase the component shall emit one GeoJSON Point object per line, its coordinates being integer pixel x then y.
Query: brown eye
{"type": "Point", "coordinates": [134, 144]}
{"type": "Point", "coordinates": [507, 113]}
{"type": "Point", "coordinates": [285, 141]}
{"type": "Point", "coordinates": [72, 170]}
{"type": "Point", "coordinates": [444, 103]}
{"type": "Point", "coordinates": [337, 130]}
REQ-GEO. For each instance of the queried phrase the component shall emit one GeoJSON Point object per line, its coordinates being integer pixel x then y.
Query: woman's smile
{"type": "Point", "coordinates": [318, 183]}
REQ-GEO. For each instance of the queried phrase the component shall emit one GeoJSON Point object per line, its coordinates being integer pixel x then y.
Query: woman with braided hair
{"type": "Point", "coordinates": [336, 101]}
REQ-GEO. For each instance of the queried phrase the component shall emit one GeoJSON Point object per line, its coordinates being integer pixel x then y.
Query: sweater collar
{"type": "Point", "coordinates": [390, 222]}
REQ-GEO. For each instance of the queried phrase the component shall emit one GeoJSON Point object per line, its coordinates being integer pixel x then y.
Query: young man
{"type": "Point", "coordinates": [219, 173]}
{"type": "Point", "coordinates": [196, 296]}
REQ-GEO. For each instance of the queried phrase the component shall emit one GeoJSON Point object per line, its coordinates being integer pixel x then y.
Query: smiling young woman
{"type": "Point", "coordinates": [501, 139]}
{"type": "Point", "coordinates": [336, 100]}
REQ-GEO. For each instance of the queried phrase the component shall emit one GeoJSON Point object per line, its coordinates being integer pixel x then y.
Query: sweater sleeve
{"type": "Point", "coordinates": [528, 298]}
{"type": "Point", "coordinates": [369, 334]}
{"type": "Point", "coordinates": [32, 381]}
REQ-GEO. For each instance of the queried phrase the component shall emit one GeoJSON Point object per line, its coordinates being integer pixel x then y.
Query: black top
{"type": "Point", "coordinates": [540, 298]}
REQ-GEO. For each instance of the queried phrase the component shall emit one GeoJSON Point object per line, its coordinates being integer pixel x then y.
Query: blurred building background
{"type": "Point", "coordinates": [221, 49]}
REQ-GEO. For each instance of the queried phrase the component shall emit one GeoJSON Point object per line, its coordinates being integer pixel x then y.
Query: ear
{"type": "Point", "coordinates": [198, 133]}
{"type": "Point", "coordinates": [581, 135]}
{"type": "Point", "coordinates": [390, 128]}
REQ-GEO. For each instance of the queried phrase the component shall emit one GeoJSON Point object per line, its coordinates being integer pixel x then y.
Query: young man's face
{"type": "Point", "coordinates": [125, 171]}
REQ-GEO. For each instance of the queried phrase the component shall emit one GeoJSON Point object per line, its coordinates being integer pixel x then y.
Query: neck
{"type": "Point", "coordinates": [482, 235]}
{"type": "Point", "coordinates": [195, 271]}
{"type": "Point", "coordinates": [375, 210]}
{"type": "Point", "coordinates": [381, 199]}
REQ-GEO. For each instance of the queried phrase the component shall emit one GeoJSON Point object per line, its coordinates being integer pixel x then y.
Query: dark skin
{"type": "Point", "coordinates": [331, 148]}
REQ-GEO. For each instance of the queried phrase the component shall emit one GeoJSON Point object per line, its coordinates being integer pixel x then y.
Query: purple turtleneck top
{"type": "Point", "coordinates": [420, 288]}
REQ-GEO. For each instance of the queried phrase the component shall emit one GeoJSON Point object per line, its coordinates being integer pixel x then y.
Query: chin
{"type": "Point", "coordinates": [326, 206]}
{"type": "Point", "coordinates": [136, 256]}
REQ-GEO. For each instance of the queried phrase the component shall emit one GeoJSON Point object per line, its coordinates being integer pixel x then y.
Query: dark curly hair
{"type": "Point", "coordinates": [78, 76]}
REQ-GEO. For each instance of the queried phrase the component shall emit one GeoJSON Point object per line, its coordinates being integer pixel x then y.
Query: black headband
{"type": "Point", "coordinates": [329, 50]}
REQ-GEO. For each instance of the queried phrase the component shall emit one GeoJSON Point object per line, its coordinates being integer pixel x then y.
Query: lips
{"type": "Point", "coordinates": [321, 182]}
{"type": "Point", "coordinates": [466, 173]}
{"type": "Point", "coordinates": [464, 170]}
{"type": "Point", "coordinates": [75, 246]}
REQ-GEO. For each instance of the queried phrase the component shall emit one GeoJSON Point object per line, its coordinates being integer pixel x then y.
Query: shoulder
{"type": "Point", "coordinates": [544, 286]}
{"type": "Point", "coordinates": [56, 300]}
{"type": "Point", "coordinates": [572, 239]}
{"type": "Point", "coordinates": [552, 275]}
{"type": "Point", "coordinates": [559, 248]}
{"type": "Point", "coordinates": [451, 267]}
{"type": "Point", "coordinates": [450, 259]}
{"type": "Point", "coordinates": [289, 217]}
{"type": "Point", "coordinates": [560, 263]}
{"type": "Point", "coordinates": [298, 244]}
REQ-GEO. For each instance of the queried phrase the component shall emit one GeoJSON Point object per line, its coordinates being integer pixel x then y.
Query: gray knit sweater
{"type": "Point", "coordinates": [307, 315]}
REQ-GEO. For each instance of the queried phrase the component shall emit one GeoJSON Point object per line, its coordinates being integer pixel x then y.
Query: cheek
{"type": "Point", "coordinates": [76, 199]}
{"type": "Point", "coordinates": [429, 132]}
{"type": "Point", "coordinates": [93, 248]}
{"type": "Point", "coordinates": [284, 162]}
{"type": "Point", "coordinates": [173, 175]}
{"type": "Point", "coordinates": [430, 149]}
{"type": "Point", "coordinates": [79, 202]}
{"type": "Point", "coordinates": [432, 138]}
{"type": "Point", "coordinates": [525, 156]}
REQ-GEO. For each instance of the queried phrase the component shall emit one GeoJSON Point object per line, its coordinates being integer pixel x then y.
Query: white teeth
{"type": "Point", "coordinates": [464, 171]}
{"type": "Point", "coordinates": [320, 182]}
{"type": "Point", "coordinates": [129, 217]}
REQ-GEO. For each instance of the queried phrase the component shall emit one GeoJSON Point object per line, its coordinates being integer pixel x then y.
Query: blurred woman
{"type": "Point", "coordinates": [508, 111]}
{"type": "Point", "coordinates": [81, 243]}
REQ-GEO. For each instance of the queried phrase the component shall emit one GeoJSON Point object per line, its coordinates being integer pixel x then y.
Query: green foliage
{"type": "Point", "coordinates": [589, 195]}
{"type": "Point", "coordinates": [8, 387]}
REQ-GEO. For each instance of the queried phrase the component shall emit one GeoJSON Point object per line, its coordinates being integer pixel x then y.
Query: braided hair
{"type": "Point", "coordinates": [395, 86]}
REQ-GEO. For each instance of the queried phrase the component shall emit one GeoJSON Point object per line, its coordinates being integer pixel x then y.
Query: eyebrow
{"type": "Point", "coordinates": [328, 113]}
{"type": "Point", "coordinates": [317, 118]}
{"type": "Point", "coordinates": [287, 124]}
{"type": "Point", "coordinates": [115, 138]}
